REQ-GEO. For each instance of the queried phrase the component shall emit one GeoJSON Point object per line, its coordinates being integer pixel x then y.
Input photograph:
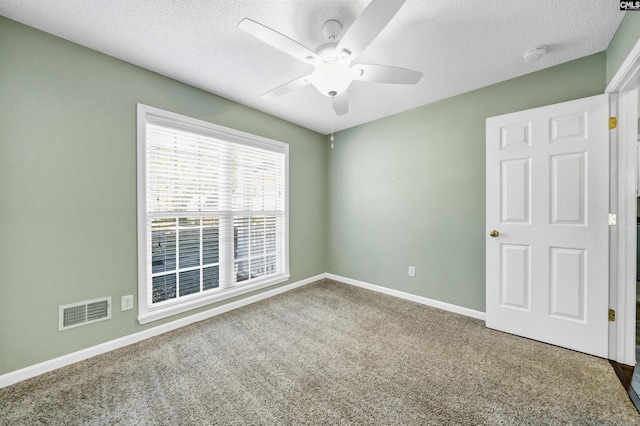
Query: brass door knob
{"type": "Point", "coordinates": [493, 233]}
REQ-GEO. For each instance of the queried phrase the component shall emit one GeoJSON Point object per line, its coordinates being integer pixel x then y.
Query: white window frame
{"type": "Point", "coordinates": [147, 312]}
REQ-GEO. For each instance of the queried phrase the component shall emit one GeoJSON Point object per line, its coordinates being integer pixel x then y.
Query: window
{"type": "Point", "coordinates": [212, 213]}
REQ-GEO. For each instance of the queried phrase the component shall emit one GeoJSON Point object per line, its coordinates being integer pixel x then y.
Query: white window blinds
{"type": "Point", "coordinates": [215, 203]}
{"type": "Point", "coordinates": [193, 172]}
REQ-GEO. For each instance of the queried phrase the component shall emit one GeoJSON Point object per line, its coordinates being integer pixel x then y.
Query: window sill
{"type": "Point", "coordinates": [180, 307]}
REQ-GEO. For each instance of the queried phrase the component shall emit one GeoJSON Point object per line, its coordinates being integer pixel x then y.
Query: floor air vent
{"type": "Point", "coordinates": [83, 313]}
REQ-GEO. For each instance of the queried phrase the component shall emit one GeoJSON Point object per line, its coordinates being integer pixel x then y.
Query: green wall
{"type": "Point", "coordinates": [410, 189]}
{"type": "Point", "coordinates": [68, 187]}
{"type": "Point", "coordinates": [623, 41]}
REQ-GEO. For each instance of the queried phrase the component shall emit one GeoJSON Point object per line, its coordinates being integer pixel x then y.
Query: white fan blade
{"type": "Point", "coordinates": [367, 26]}
{"type": "Point", "coordinates": [279, 41]}
{"type": "Point", "coordinates": [341, 104]}
{"type": "Point", "coordinates": [385, 74]}
{"type": "Point", "coordinates": [296, 84]}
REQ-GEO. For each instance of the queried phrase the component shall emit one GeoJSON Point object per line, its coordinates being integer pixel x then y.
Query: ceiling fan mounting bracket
{"type": "Point", "coordinates": [331, 29]}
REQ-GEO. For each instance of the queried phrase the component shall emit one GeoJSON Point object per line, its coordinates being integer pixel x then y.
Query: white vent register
{"type": "Point", "coordinates": [83, 313]}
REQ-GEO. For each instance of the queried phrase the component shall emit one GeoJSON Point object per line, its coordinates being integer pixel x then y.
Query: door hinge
{"type": "Point", "coordinates": [612, 219]}
{"type": "Point", "coordinates": [612, 315]}
{"type": "Point", "coordinates": [613, 123]}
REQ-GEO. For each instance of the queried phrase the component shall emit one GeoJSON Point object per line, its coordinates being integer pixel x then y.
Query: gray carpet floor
{"type": "Point", "coordinates": [328, 353]}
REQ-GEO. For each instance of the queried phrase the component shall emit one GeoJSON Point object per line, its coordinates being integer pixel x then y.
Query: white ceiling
{"type": "Point", "coordinates": [460, 45]}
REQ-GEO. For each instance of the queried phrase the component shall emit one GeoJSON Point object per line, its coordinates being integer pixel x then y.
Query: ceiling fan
{"type": "Point", "coordinates": [334, 71]}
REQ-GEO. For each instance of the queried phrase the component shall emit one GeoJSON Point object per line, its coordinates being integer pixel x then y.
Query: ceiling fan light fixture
{"type": "Point", "coordinates": [332, 78]}
{"type": "Point", "coordinates": [332, 75]}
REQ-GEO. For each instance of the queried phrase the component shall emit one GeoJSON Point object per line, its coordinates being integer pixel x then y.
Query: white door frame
{"type": "Point", "coordinates": [622, 287]}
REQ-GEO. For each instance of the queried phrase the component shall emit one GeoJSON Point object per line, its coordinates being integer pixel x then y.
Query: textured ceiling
{"type": "Point", "coordinates": [460, 45]}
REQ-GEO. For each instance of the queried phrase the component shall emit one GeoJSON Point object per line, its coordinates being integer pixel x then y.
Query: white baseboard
{"type": "Point", "coordinates": [412, 297]}
{"type": "Point", "coordinates": [62, 361]}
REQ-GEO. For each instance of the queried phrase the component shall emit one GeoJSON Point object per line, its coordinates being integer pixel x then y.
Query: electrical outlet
{"type": "Point", "coordinates": [126, 303]}
{"type": "Point", "coordinates": [412, 271]}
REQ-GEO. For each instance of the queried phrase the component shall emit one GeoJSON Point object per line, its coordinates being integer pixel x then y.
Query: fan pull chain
{"type": "Point", "coordinates": [332, 115]}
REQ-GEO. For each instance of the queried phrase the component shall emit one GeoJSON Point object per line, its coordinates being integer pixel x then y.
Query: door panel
{"type": "Point", "coordinates": [515, 136]}
{"type": "Point", "coordinates": [568, 179]}
{"type": "Point", "coordinates": [547, 195]}
{"type": "Point", "coordinates": [567, 283]}
{"type": "Point", "coordinates": [569, 127]}
{"type": "Point", "coordinates": [516, 276]}
{"type": "Point", "coordinates": [515, 191]}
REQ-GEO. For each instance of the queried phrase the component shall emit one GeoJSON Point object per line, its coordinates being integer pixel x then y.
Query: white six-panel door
{"type": "Point", "coordinates": [548, 198]}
